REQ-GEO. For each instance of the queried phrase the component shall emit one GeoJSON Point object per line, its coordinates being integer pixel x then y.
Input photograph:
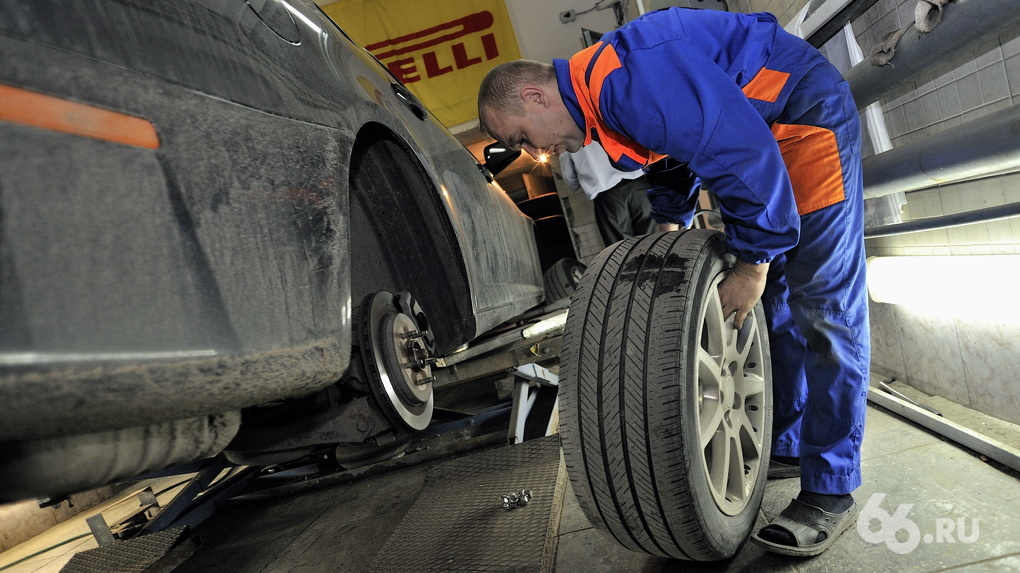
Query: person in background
{"type": "Point", "coordinates": [620, 198]}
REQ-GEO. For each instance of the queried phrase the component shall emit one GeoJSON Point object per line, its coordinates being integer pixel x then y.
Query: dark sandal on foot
{"type": "Point", "coordinates": [804, 522]}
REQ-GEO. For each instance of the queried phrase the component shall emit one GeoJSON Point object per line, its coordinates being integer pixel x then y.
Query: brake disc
{"type": "Point", "coordinates": [398, 357]}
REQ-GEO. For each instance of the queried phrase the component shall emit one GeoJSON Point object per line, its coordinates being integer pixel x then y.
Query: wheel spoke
{"type": "Point", "coordinates": [713, 338]}
{"type": "Point", "coordinates": [744, 426]}
{"type": "Point", "coordinates": [745, 339]}
{"type": "Point", "coordinates": [708, 365]}
{"type": "Point", "coordinates": [709, 385]}
{"type": "Point", "coordinates": [735, 486]}
{"type": "Point", "coordinates": [718, 469]}
{"type": "Point", "coordinates": [711, 418]}
{"type": "Point", "coordinates": [749, 386]}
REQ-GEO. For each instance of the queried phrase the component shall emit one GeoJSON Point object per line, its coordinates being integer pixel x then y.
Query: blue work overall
{"type": "Point", "coordinates": [769, 126]}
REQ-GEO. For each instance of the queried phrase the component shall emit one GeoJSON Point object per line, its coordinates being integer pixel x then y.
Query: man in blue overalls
{"type": "Point", "coordinates": [770, 126]}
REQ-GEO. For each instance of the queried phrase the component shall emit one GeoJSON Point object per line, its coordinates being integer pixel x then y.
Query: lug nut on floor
{"type": "Point", "coordinates": [512, 500]}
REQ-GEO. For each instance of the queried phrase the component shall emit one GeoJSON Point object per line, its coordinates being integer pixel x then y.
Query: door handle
{"type": "Point", "coordinates": [407, 98]}
{"type": "Point", "coordinates": [485, 172]}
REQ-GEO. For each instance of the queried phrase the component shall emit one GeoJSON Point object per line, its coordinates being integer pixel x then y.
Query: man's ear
{"type": "Point", "coordinates": [534, 94]}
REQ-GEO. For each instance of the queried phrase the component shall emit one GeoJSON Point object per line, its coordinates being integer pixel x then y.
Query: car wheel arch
{"type": "Point", "coordinates": [401, 237]}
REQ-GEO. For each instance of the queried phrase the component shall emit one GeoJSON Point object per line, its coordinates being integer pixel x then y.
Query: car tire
{"type": "Point", "coordinates": [665, 410]}
{"type": "Point", "coordinates": [562, 278]}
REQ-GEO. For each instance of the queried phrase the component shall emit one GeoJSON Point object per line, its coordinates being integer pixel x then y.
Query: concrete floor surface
{"type": "Point", "coordinates": [932, 507]}
{"type": "Point", "coordinates": [928, 505]}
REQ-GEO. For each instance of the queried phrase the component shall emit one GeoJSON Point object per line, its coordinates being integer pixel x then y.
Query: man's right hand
{"type": "Point", "coordinates": [741, 289]}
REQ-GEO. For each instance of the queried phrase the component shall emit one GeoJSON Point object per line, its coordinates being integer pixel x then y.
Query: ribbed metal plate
{"type": "Point", "coordinates": [160, 551]}
{"type": "Point", "coordinates": [457, 524]}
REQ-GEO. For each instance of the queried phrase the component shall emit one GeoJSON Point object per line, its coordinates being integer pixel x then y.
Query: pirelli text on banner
{"type": "Point", "coordinates": [438, 49]}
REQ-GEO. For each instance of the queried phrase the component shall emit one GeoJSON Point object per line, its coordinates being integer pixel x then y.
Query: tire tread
{"type": "Point", "coordinates": [622, 390]}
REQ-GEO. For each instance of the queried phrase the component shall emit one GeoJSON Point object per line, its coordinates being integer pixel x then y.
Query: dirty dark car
{"type": "Point", "coordinates": [224, 226]}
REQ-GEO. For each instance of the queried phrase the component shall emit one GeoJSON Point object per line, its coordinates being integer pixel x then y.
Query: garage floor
{"type": "Point", "coordinates": [944, 486]}
{"type": "Point", "coordinates": [934, 507]}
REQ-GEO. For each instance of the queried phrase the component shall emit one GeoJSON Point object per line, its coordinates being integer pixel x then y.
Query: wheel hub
{"type": "Point", "coordinates": [399, 358]}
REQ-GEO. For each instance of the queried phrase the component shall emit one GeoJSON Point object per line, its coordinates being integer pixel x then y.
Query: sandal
{"type": "Point", "coordinates": [804, 522]}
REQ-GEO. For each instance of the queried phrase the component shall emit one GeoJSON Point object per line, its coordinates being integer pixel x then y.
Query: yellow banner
{"type": "Point", "coordinates": [439, 49]}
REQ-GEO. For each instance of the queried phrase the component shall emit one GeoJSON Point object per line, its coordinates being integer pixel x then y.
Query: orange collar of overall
{"type": "Point", "coordinates": [588, 70]}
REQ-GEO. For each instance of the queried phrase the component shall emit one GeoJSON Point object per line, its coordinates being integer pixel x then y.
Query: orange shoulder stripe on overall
{"type": "Point", "coordinates": [588, 71]}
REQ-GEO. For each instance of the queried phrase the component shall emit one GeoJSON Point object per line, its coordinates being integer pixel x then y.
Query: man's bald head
{"type": "Point", "coordinates": [501, 87]}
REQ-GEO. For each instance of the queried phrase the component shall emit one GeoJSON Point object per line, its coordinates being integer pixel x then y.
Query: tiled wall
{"type": "Point", "coordinates": [785, 10]}
{"type": "Point", "coordinates": [967, 360]}
{"type": "Point", "coordinates": [957, 357]}
{"type": "Point", "coordinates": [987, 84]}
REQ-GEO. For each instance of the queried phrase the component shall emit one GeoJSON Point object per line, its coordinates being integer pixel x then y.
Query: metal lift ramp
{"type": "Point", "coordinates": [471, 514]}
{"type": "Point", "coordinates": [459, 523]}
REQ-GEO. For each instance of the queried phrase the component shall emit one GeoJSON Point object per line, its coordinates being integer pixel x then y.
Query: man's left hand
{"type": "Point", "coordinates": [739, 291]}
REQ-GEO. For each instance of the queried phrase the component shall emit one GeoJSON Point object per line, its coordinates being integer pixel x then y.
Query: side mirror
{"type": "Point", "coordinates": [498, 157]}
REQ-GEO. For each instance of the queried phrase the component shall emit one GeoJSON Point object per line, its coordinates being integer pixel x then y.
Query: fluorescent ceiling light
{"type": "Point", "coordinates": [959, 285]}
